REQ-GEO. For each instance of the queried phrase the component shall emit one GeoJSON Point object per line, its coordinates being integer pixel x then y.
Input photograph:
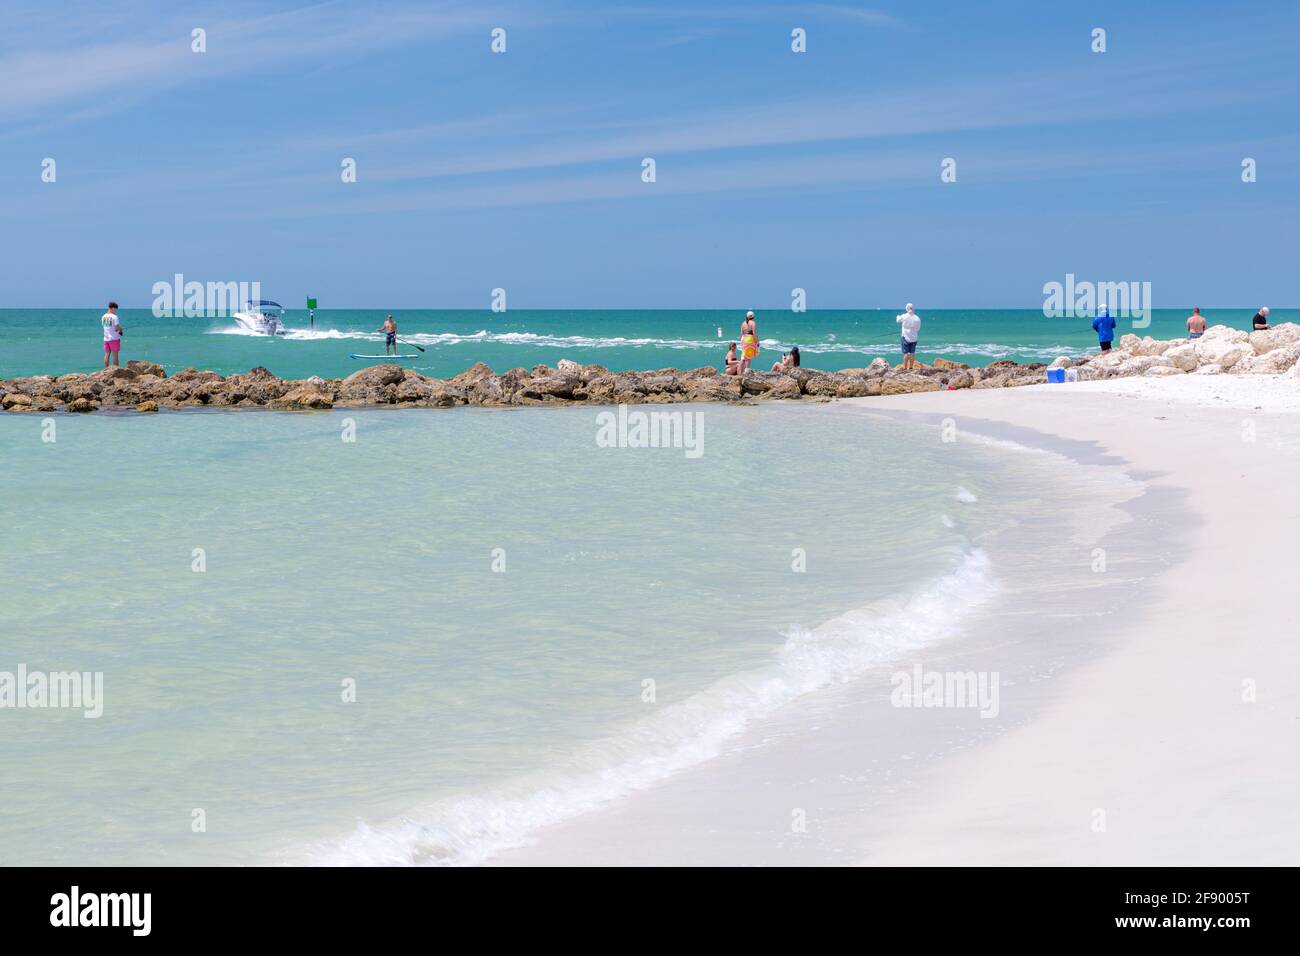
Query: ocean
{"type": "Point", "coordinates": [58, 341]}
{"type": "Point", "coordinates": [425, 644]}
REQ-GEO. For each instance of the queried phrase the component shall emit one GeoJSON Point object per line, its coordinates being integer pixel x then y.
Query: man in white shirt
{"type": "Point", "coordinates": [112, 334]}
{"type": "Point", "coordinates": [911, 323]}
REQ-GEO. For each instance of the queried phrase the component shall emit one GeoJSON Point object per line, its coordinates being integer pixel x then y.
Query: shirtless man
{"type": "Point", "coordinates": [1195, 324]}
{"type": "Point", "coordinates": [389, 327]}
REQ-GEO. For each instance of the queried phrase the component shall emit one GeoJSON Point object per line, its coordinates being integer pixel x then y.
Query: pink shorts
{"type": "Point", "coordinates": [113, 346]}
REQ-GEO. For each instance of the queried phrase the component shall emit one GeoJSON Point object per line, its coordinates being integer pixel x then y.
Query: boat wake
{"type": "Point", "coordinates": [987, 350]}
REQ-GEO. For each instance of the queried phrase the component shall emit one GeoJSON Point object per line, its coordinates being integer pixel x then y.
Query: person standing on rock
{"type": "Point", "coordinates": [1260, 322]}
{"type": "Point", "coordinates": [1195, 324]}
{"type": "Point", "coordinates": [911, 323]}
{"type": "Point", "coordinates": [390, 328]}
{"type": "Point", "coordinates": [748, 342]}
{"type": "Point", "coordinates": [1104, 326]}
{"type": "Point", "coordinates": [112, 334]}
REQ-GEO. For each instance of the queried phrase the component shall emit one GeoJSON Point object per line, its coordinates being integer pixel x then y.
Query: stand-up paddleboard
{"type": "Point", "coordinates": [389, 358]}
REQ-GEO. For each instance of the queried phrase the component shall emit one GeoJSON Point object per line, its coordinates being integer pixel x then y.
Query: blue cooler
{"type": "Point", "coordinates": [1056, 375]}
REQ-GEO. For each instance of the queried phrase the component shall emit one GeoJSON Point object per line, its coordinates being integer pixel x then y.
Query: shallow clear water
{"type": "Point", "coordinates": [58, 341]}
{"type": "Point", "coordinates": [487, 701]}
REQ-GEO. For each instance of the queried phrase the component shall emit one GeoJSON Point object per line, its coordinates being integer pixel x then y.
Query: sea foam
{"type": "Point", "coordinates": [472, 828]}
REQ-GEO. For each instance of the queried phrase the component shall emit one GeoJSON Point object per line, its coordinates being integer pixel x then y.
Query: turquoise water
{"type": "Point", "coordinates": [489, 700]}
{"type": "Point", "coordinates": [35, 341]}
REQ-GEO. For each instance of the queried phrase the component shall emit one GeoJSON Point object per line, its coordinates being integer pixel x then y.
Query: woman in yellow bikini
{"type": "Point", "coordinates": [748, 342]}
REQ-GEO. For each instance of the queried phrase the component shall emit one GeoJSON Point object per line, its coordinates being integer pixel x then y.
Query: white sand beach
{"type": "Point", "coordinates": [1146, 753]}
{"type": "Point", "coordinates": [1156, 733]}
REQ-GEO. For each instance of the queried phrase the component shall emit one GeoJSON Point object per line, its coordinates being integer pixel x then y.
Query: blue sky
{"type": "Point", "coordinates": [775, 170]}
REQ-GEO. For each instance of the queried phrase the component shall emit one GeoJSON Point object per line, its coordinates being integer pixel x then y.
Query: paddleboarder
{"type": "Point", "coordinates": [390, 329]}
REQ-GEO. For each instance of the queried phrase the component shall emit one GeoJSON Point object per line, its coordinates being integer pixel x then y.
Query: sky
{"type": "Point", "coordinates": [774, 169]}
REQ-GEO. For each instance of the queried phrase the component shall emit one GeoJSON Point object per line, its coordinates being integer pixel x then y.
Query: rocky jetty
{"type": "Point", "coordinates": [146, 387]}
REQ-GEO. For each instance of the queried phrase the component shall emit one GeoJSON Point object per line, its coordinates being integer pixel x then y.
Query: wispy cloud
{"type": "Point", "coordinates": [54, 68]}
{"type": "Point", "coordinates": [758, 11]}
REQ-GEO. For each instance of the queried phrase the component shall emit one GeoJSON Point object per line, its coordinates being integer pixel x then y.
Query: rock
{"type": "Point", "coordinates": [1280, 336]}
{"type": "Point", "coordinates": [787, 388]}
{"type": "Point", "coordinates": [443, 395]}
{"type": "Point", "coordinates": [471, 376]}
{"type": "Point", "coordinates": [756, 383]}
{"type": "Point", "coordinates": [1273, 362]}
{"type": "Point", "coordinates": [115, 374]}
{"type": "Point", "coordinates": [1216, 333]}
{"type": "Point", "coordinates": [945, 363]}
{"type": "Point", "coordinates": [878, 366]}
{"type": "Point", "coordinates": [1061, 361]}
{"type": "Point", "coordinates": [304, 396]}
{"type": "Point", "coordinates": [1183, 357]}
{"type": "Point", "coordinates": [15, 401]}
{"type": "Point", "coordinates": [1208, 370]}
{"type": "Point", "coordinates": [146, 368]}
{"type": "Point", "coordinates": [962, 379]}
{"type": "Point", "coordinates": [192, 375]}
{"type": "Point", "coordinates": [568, 366]}
{"type": "Point", "coordinates": [857, 387]}
{"type": "Point", "coordinates": [375, 376]}
{"type": "Point", "coordinates": [80, 405]}
{"type": "Point", "coordinates": [819, 383]}
{"type": "Point", "coordinates": [904, 382]}
{"type": "Point", "coordinates": [1150, 346]}
{"type": "Point", "coordinates": [486, 391]}
{"type": "Point", "coordinates": [1223, 351]}
{"type": "Point", "coordinates": [1140, 364]}
{"type": "Point", "coordinates": [147, 407]}
{"type": "Point", "coordinates": [1158, 370]}
{"type": "Point", "coordinates": [722, 388]}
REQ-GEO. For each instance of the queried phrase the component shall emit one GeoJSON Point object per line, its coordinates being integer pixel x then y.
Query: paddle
{"type": "Point", "coordinates": [411, 344]}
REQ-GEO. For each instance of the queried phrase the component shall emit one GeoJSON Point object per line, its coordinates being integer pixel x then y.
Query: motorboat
{"type": "Point", "coordinates": [262, 317]}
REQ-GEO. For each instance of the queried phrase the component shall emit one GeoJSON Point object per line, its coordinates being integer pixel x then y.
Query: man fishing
{"type": "Point", "coordinates": [112, 334]}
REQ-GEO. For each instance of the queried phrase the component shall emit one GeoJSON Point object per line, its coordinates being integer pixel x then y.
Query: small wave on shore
{"type": "Point", "coordinates": [471, 829]}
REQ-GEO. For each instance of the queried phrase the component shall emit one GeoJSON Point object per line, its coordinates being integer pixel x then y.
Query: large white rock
{"type": "Point", "coordinates": [1164, 370]}
{"type": "Point", "coordinates": [1288, 333]}
{"type": "Point", "coordinates": [1061, 361]}
{"type": "Point", "coordinates": [1223, 351]}
{"type": "Point", "coordinates": [1275, 362]}
{"type": "Point", "coordinates": [1208, 370]}
{"type": "Point", "coordinates": [1183, 356]}
{"type": "Point", "coordinates": [1150, 346]}
{"type": "Point", "coordinates": [1217, 333]}
{"type": "Point", "coordinates": [1139, 364]}
{"type": "Point", "coordinates": [1110, 361]}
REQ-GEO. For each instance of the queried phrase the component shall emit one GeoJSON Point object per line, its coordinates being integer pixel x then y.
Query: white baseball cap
{"type": "Point", "coordinates": [910, 307]}
{"type": "Point", "coordinates": [749, 315]}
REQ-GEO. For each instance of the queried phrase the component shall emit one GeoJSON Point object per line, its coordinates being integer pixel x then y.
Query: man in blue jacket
{"type": "Point", "coordinates": [1104, 326]}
